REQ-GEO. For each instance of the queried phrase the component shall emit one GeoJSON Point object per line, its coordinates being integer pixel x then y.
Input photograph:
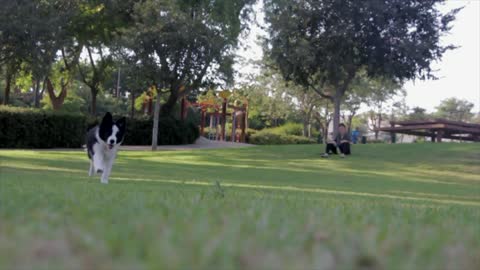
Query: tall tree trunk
{"type": "Point", "coordinates": [305, 129]}
{"type": "Point", "coordinates": [336, 111]}
{"type": "Point", "coordinates": [337, 99]}
{"type": "Point", "coordinates": [168, 106]}
{"type": "Point", "coordinates": [36, 96]}
{"type": "Point", "coordinates": [132, 112]}
{"type": "Point", "coordinates": [117, 92]}
{"type": "Point", "coordinates": [93, 108]}
{"type": "Point", "coordinates": [156, 116]}
{"type": "Point", "coordinates": [327, 124]}
{"type": "Point", "coordinates": [57, 101]}
{"type": "Point", "coordinates": [8, 85]}
{"type": "Point", "coordinates": [379, 125]}
{"type": "Point", "coordinates": [349, 122]}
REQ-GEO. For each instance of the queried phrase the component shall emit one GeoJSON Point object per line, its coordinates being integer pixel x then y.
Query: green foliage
{"type": "Point", "coordinates": [270, 138]}
{"type": "Point", "coordinates": [24, 79]}
{"type": "Point", "coordinates": [184, 45]}
{"type": "Point", "coordinates": [115, 105]}
{"type": "Point", "coordinates": [72, 104]}
{"type": "Point", "coordinates": [171, 131]}
{"type": "Point", "coordinates": [269, 103]}
{"type": "Point", "coordinates": [29, 128]}
{"type": "Point", "coordinates": [290, 133]}
{"type": "Point", "coordinates": [418, 113]}
{"type": "Point", "coordinates": [361, 122]}
{"type": "Point", "coordinates": [287, 129]}
{"type": "Point", "coordinates": [455, 109]}
{"type": "Point", "coordinates": [324, 45]}
{"type": "Point", "coordinates": [332, 39]}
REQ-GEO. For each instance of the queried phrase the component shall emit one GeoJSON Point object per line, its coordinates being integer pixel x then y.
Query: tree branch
{"type": "Point", "coordinates": [317, 90]}
{"type": "Point", "coordinates": [91, 60]}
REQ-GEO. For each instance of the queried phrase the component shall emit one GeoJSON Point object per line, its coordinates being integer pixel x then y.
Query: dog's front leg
{"type": "Point", "coordinates": [98, 163]}
{"type": "Point", "coordinates": [108, 163]}
{"type": "Point", "coordinates": [91, 171]}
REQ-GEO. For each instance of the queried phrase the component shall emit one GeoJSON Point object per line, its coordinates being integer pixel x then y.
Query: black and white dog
{"type": "Point", "coordinates": [103, 142]}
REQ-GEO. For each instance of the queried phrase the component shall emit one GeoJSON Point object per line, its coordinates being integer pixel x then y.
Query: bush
{"type": "Point", "coordinates": [228, 133]}
{"type": "Point", "coordinates": [266, 137]}
{"type": "Point", "coordinates": [170, 131]}
{"type": "Point", "coordinates": [288, 129]}
{"type": "Point", "coordinates": [29, 128]}
{"type": "Point", "coordinates": [290, 133]}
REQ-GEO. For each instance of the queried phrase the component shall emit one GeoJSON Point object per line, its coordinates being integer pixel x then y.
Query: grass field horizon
{"type": "Point", "coordinates": [404, 206]}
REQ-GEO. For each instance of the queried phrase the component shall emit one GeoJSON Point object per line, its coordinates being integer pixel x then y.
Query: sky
{"type": "Point", "coordinates": [458, 71]}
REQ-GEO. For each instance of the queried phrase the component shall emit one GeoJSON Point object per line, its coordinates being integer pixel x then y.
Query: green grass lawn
{"type": "Point", "coordinates": [411, 206]}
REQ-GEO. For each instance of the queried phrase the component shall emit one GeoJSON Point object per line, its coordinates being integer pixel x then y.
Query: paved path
{"type": "Point", "coordinates": [201, 143]}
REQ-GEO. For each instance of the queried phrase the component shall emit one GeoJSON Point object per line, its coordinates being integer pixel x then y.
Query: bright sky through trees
{"type": "Point", "coordinates": [458, 72]}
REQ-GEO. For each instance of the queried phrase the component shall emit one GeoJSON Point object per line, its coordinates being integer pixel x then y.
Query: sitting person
{"type": "Point", "coordinates": [341, 141]}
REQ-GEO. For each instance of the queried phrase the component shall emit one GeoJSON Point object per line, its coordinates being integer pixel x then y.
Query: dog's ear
{"type": "Point", "coordinates": [121, 123]}
{"type": "Point", "coordinates": [107, 120]}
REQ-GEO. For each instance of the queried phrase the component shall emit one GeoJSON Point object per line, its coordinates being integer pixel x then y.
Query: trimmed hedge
{"type": "Point", "coordinates": [265, 138]}
{"type": "Point", "coordinates": [289, 133]}
{"type": "Point", "coordinates": [28, 128]}
{"type": "Point", "coordinates": [295, 129]}
{"type": "Point", "coordinates": [170, 132]}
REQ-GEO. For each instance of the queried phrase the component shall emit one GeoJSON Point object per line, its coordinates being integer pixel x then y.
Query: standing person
{"type": "Point", "coordinates": [341, 141]}
{"type": "Point", "coordinates": [355, 135]}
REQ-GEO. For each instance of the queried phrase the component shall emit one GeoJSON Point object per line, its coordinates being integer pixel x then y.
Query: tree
{"type": "Point", "coordinates": [381, 91]}
{"type": "Point", "coordinates": [184, 45]}
{"type": "Point", "coordinates": [32, 42]}
{"type": "Point", "coordinates": [269, 104]}
{"type": "Point", "coordinates": [350, 107]}
{"type": "Point", "coordinates": [307, 103]}
{"type": "Point", "coordinates": [294, 98]}
{"type": "Point", "coordinates": [324, 44]}
{"type": "Point", "coordinates": [362, 88]}
{"type": "Point", "coordinates": [12, 38]}
{"type": "Point", "coordinates": [476, 118]}
{"type": "Point", "coordinates": [59, 78]}
{"type": "Point", "coordinates": [93, 31]}
{"type": "Point", "coordinates": [324, 115]}
{"type": "Point", "coordinates": [133, 81]}
{"type": "Point", "coordinates": [418, 114]}
{"type": "Point", "coordinates": [455, 109]}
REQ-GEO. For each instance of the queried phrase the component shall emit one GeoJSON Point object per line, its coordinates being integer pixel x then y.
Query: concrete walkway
{"type": "Point", "coordinates": [201, 143]}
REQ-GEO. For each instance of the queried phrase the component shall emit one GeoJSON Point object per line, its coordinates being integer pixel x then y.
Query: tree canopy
{"type": "Point", "coordinates": [324, 44]}
{"type": "Point", "coordinates": [184, 45]}
{"type": "Point", "coordinates": [455, 109]}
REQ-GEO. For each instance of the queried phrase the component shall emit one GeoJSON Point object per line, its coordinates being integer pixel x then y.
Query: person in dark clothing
{"type": "Point", "coordinates": [341, 141]}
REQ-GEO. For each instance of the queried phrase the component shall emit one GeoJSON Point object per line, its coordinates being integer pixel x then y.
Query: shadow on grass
{"type": "Point", "coordinates": [376, 171]}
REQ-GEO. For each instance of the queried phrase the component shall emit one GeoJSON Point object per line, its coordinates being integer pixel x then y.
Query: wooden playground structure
{"type": "Point", "coordinates": [437, 130]}
{"type": "Point", "coordinates": [218, 116]}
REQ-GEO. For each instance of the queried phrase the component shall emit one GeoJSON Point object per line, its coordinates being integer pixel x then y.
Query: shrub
{"type": "Point", "coordinates": [266, 137]}
{"type": "Point", "coordinates": [170, 131]}
{"type": "Point", "coordinates": [31, 128]}
{"type": "Point", "coordinates": [28, 128]}
{"type": "Point", "coordinates": [288, 129]}
{"type": "Point", "coordinates": [290, 133]}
